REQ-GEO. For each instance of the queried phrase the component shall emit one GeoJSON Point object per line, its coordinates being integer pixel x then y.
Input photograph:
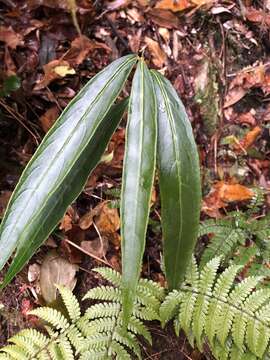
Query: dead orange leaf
{"type": "Point", "coordinates": [180, 5]}
{"type": "Point", "coordinates": [173, 5]}
{"type": "Point", "coordinates": [158, 56]}
{"type": "Point", "coordinates": [106, 219]}
{"type": "Point", "coordinates": [49, 117]}
{"type": "Point", "coordinates": [248, 140]}
{"type": "Point", "coordinates": [223, 193]}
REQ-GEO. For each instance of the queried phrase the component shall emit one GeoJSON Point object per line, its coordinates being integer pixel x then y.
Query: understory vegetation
{"type": "Point", "coordinates": [134, 180]}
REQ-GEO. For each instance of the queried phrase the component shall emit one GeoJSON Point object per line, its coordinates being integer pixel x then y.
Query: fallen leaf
{"type": "Point", "coordinates": [67, 221]}
{"type": "Point", "coordinates": [49, 117]}
{"type": "Point", "coordinates": [158, 56]}
{"type": "Point", "coordinates": [257, 16]}
{"type": "Point", "coordinates": [56, 270]}
{"type": "Point", "coordinates": [223, 193]}
{"type": "Point", "coordinates": [55, 69]}
{"type": "Point", "coordinates": [245, 80]}
{"type": "Point", "coordinates": [10, 37]}
{"type": "Point", "coordinates": [63, 70]}
{"type": "Point", "coordinates": [173, 5]}
{"type": "Point", "coordinates": [107, 221]}
{"type": "Point", "coordinates": [81, 48]}
{"type": "Point", "coordinates": [163, 18]}
{"type": "Point", "coordinates": [180, 5]}
{"type": "Point", "coordinates": [96, 247]}
{"type": "Point", "coordinates": [248, 140]}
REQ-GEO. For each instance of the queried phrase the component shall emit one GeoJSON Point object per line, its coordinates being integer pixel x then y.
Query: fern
{"type": "Point", "coordinates": [233, 319]}
{"type": "Point", "coordinates": [229, 236]}
{"type": "Point", "coordinates": [98, 334]}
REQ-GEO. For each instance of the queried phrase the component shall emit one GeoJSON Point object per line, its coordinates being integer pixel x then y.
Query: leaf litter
{"type": "Point", "coordinates": [213, 48]}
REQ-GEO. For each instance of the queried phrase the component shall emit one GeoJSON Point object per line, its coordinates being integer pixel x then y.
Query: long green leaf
{"type": "Point", "coordinates": [179, 176]}
{"type": "Point", "coordinates": [138, 177]}
{"type": "Point", "coordinates": [59, 168]}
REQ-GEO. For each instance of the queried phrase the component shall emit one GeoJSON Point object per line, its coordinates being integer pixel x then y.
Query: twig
{"type": "Point", "coordinates": [18, 118]}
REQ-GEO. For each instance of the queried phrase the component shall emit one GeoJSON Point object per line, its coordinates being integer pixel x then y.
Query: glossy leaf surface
{"type": "Point", "coordinates": [56, 174]}
{"type": "Point", "coordinates": [138, 177]}
{"type": "Point", "coordinates": [179, 177]}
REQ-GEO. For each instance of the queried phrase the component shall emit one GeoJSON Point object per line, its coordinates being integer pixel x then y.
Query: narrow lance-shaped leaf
{"type": "Point", "coordinates": [138, 177]}
{"type": "Point", "coordinates": [179, 177]}
{"type": "Point", "coordinates": [59, 168]}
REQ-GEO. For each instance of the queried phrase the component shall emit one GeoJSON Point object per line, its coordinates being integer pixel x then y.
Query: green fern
{"type": "Point", "coordinates": [229, 237]}
{"type": "Point", "coordinates": [98, 334]}
{"type": "Point", "coordinates": [209, 307]}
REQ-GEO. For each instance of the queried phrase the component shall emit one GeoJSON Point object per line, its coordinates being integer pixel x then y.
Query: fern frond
{"type": "Point", "coordinates": [71, 303]}
{"type": "Point", "coordinates": [103, 310]}
{"type": "Point", "coordinates": [51, 316]}
{"type": "Point", "coordinates": [170, 306]}
{"type": "Point", "coordinates": [98, 334]}
{"type": "Point", "coordinates": [205, 286]}
{"type": "Point", "coordinates": [114, 277]}
{"type": "Point", "coordinates": [105, 293]}
{"type": "Point", "coordinates": [233, 318]}
{"type": "Point", "coordinates": [226, 234]}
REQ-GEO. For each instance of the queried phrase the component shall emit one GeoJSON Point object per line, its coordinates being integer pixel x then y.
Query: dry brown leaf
{"type": "Point", "coordinates": [248, 140]}
{"type": "Point", "coordinates": [223, 193]}
{"type": "Point", "coordinates": [80, 49]}
{"type": "Point", "coordinates": [10, 37]}
{"type": "Point", "coordinates": [55, 69]}
{"type": "Point", "coordinates": [108, 220]}
{"type": "Point", "coordinates": [163, 18]}
{"type": "Point", "coordinates": [56, 270]}
{"type": "Point", "coordinates": [257, 16]}
{"type": "Point", "coordinates": [158, 55]}
{"type": "Point", "coordinates": [244, 81]}
{"type": "Point", "coordinates": [96, 247]}
{"type": "Point", "coordinates": [87, 219]}
{"type": "Point", "coordinates": [49, 117]}
{"type": "Point", "coordinates": [66, 223]}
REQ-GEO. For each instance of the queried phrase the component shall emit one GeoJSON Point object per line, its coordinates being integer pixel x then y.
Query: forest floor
{"type": "Point", "coordinates": [215, 53]}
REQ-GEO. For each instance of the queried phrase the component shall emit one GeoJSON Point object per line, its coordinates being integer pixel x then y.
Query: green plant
{"type": "Point", "coordinates": [233, 319]}
{"type": "Point", "coordinates": [238, 232]}
{"type": "Point", "coordinates": [10, 84]}
{"type": "Point", "coordinates": [98, 333]}
{"type": "Point", "coordinates": [157, 127]}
